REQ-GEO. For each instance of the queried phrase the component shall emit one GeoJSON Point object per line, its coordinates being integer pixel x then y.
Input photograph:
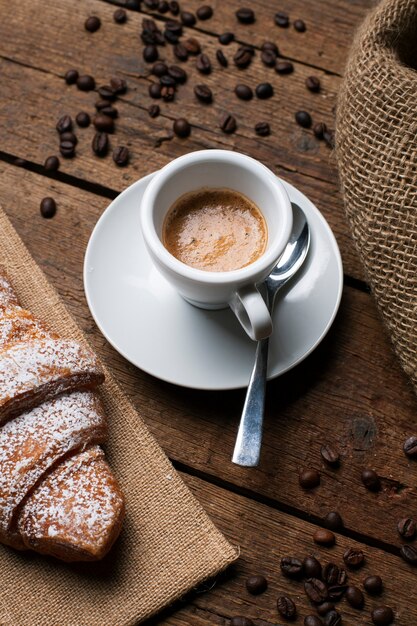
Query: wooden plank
{"type": "Point", "coordinates": [350, 391]}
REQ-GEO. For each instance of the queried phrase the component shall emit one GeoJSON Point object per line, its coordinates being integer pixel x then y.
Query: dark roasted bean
{"type": "Point", "coordinates": [68, 136]}
{"type": "Point", "coordinates": [281, 19]}
{"type": "Point", "coordinates": [171, 37]}
{"type": "Point", "coordinates": [333, 521]}
{"type": "Point", "coordinates": [159, 69]}
{"type": "Point", "coordinates": [182, 127]}
{"type": "Point", "coordinates": [86, 83]}
{"type": "Point", "coordinates": [92, 24]}
{"type": "Point", "coordinates": [330, 455]}
{"type": "Point", "coordinates": [168, 94]}
{"type": "Point", "coordinates": [101, 104]}
{"type": "Point", "coordinates": [316, 590]}
{"type": "Point", "coordinates": [256, 584]}
{"type": "Point", "coordinates": [324, 608]}
{"type": "Point", "coordinates": [83, 119]}
{"type": "Point", "coordinates": [120, 16]}
{"type": "Point", "coordinates": [271, 47]}
{"type": "Point", "coordinates": [203, 93]}
{"type": "Point", "coordinates": [228, 123]}
{"type": "Point", "coordinates": [100, 144]}
{"type": "Point", "coordinates": [150, 53]}
{"type": "Point", "coordinates": [243, 57]}
{"type": "Point", "coordinates": [264, 91]}
{"type": "Point", "coordinates": [312, 567]}
{"type": "Point", "coordinates": [262, 129]}
{"type": "Point", "coordinates": [106, 92]}
{"type": "Point", "coordinates": [19, 162]}
{"type": "Point", "coordinates": [119, 85]}
{"type": "Point", "coordinates": [284, 67]}
{"type": "Point", "coordinates": [155, 90]}
{"type": "Point", "coordinates": [354, 558]}
{"type": "Point", "coordinates": [268, 58]}
{"type": "Point", "coordinates": [309, 478]}
{"type": "Point", "coordinates": [336, 592]}
{"type": "Point", "coordinates": [286, 608]}
{"type": "Point", "coordinates": [67, 149]}
{"type": "Point", "coordinates": [410, 447]}
{"type": "Point", "coordinates": [187, 18]}
{"type": "Point", "coordinates": [303, 119]}
{"type": "Point", "coordinates": [324, 537]}
{"type": "Point", "coordinates": [319, 129]}
{"type": "Point", "coordinates": [103, 122]}
{"type": "Point", "coordinates": [154, 110]}
{"type": "Point", "coordinates": [64, 124]}
{"type": "Point", "coordinates": [174, 7]}
{"type": "Point", "coordinates": [221, 58]}
{"type": "Point", "coordinates": [110, 111]}
{"type": "Point", "coordinates": [121, 156]}
{"type": "Point", "coordinates": [51, 164]}
{"type": "Point", "coordinates": [328, 137]}
{"type": "Point", "coordinates": [355, 597]}
{"type": "Point", "coordinates": [134, 5]}
{"type": "Point", "coordinates": [71, 77]}
{"type": "Point", "coordinates": [331, 573]}
{"type": "Point", "coordinates": [226, 38]}
{"type": "Point", "coordinates": [313, 83]}
{"type": "Point", "coordinates": [373, 585]}
{"type": "Point", "coordinates": [167, 81]}
{"type": "Point", "coordinates": [177, 73]}
{"type": "Point", "coordinates": [371, 480]}
{"type": "Point", "coordinates": [241, 621]}
{"type": "Point", "coordinates": [245, 16]}
{"type": "Point", "coordinates": [312, 620]}
{"type": "Point", "coordinates": [152, 4]}
{"type": "Point", "coordinates": [203, 64]}
{"type": "Point", "coordinates": [181, 52]}
{"type": "Point", "coordinates": [382, 616]}
{"type": "Point", "coordinates": [406, 528]}
{"type": "Point", "coordinates": [48, 207]}
{"type": "Point", "coordinates": [332, 618]}
{"type": "Point", "coordinates": [244, 92]}
{"type": "Point", "coordinates": [204, 13]}
{"type": "Point", "coordinates": [291, 567]}
{"type": "Point", "coordinates": [409, 554]}
{"type": "Point", "coordinates": [192, 46]}
{"type": "Point", "coordinates": [163, 6]}
{"type": "Point", "coordinates": [300, 26]}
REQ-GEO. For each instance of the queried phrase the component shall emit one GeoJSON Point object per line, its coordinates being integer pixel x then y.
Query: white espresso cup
{"type": "Point", "coordinates": [217, 290]}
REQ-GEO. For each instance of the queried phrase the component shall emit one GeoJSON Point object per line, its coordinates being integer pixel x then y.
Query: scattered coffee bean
{"type": "Point", "coordinates": [104, 123]}
{"type": "Point", "coordinates": [244, 92]}
{"type": "Point", "coordinates": [135, 5]}
{"type": "Point", "coordinates": [181, 52]}
{"type": "Point", "coordinates": [354, 558]}
{"type": "Point", "coordinates": [120, 16]}
{"type": "Point", "coordinates": [331, 573]}
{"type": "Point", "coordinates": [256, 584]}
{"type": "Point", "coordinates": [264, 91]}
{"type": "Point", "coordinates": [155, 90]}
{"type": "Point", "coordinates": [168, 94]}
{"type": "Point", "coordinates": [309, 478]}
{"type": "Point", "coordinates": [182, 127]}
{"type": "Point", "coordinates": [192, 46]}
{"type": "Point", "coordinates": [51, 164]}
{"type": "Point", "coordinates": [204, 13]}
{"type": "Point", "coordinates": [316, 590]}
{"type": "Point", "coordinates": [312, 567]}
{"type": "Point", "coordinates": [121, 156]}
{"type": "Point", "coordinates": [187, 18]}
{"type": "Point", "coordinates": [371, 480]}
{"type": "Point", "coordinates": [48, 207]}
{"type": "Point", "coordinates": [101, 104]}
{"type": "Point", "coordinates": [174, 26]}
{"type": "Point", "coordinates": [226, 38]}
{"type": "Point", "coordinates": [373, 585]}
{"type": "Point", "coordinates": [382, 616]}
{"type": "Point", "coordinates": [312, 620]}
{"type": "Point", "coordinates": [313, 83]}
{"type": "Point", "coordinates": [110, 111]}
{"type": "Point", "coordinates": [245, 16]}
{"type": "Point", "coordinates": [71, 77]}
{"type": "Point", "coordinates": [92, 24]}
{"type": "Point", "coordinates": [262, 129]}
{"type": "Point", "coordinates": [328, 137]}
{"type": "Point", "coordinates": [203, 64]}
{"type": "Point", "coordinates": [68, 136]}
{"type": "Point", "coordinates": [163, 6]}
{"type": "Point", "coordinates": [409, 554]}
{"type": "Point", "coordinates": [150, 53]}
{"type": "Point", "coordinates": [152, 4]}
{"type": "Point", "coordinates": [241, 621]}
{"type": "Point", "coordinates": [286, 608]}
{"type": "Point", "coordinates": [406, 528]}
{"type": "Point", "coordinates": [324, 537]}
{"type": "Point", "coordinates": [303, 119]}
{"type": "Point", "coordinates": [330, 455]}
{"type": "Point", "coordinates": [67, 149]}
{"type": "Point", "coordinates": [86, 83]}
{"type": "Point", "coordinates": [319, 129]}
{"type": "Point", "coordinates": [324, 608]}
{"type": "Point", "coordinates": [159, 69]}
{"type": "Point", "coordinates": [203, 93]}
{"type": "Point", "coordinates": [291, 567]}
{"type": "Point", "coordinates": [64, 124]}
{"type": "Point", "coordinates": [119, 85]}
{"type": "Point", "coordinates": [221, 58]}
{"type": "Point", "coordinates": [100, 144]}
{"type": "Point", "coordinates": [171, 37]}
{"type": "Point", "coordinates": [268, 58]}
{"type": "Point", "coordinates": [83, 119]}
{"type": "Point", "coordinates": [355, 597]}
{"type": "Point", "coordinates": [300, 26]}
{"type": "Point", "coordinates": [336, 592]}
{"type": "Point", "coordinates": [174, 7]}
{"type": "Point", "coordinates": [282, 19]}
{"type": "Point", "coordinates": [410, 447]}
{"type": "Point", "coordinates": [333, 521]}
{"type": "Point", "coordinates": [106, 92]}
{"type": "Point", "coordinates": [177, 73]}
{"type": "Point", "coordinates": [284, 67]}
{"type": "Point", "coordinates": [228, 123]}
{"type": "Point", "coordinates": [154, 110]}
{"type": "Point", "coordinates": [332, 618]}
{"type": "Point", "coordinates": [167, 81]}
{"type": "Point", "coordinates": [243, 57]}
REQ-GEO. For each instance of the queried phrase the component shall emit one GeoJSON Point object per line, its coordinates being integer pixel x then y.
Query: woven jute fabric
{"type": "Point", "coordinates": [376, 148]}
{"type": "Point", "coordinates": [168, 545]}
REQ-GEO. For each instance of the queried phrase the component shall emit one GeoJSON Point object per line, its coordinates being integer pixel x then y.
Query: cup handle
{"type": "Point", "coordinates": [250, 309]}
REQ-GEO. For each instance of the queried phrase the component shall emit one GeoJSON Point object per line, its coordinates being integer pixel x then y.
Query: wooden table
{"type": "Point", "coordinates": [349, 392]}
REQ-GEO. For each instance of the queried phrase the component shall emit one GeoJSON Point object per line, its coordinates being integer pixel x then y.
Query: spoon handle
{"type": "Point", "coordinates": [249, 437]}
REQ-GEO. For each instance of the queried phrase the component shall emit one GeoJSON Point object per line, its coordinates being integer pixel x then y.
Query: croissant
{"type": "Point", "coordinates": [58, 495]}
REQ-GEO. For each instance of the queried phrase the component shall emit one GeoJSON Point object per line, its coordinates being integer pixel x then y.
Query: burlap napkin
{"type": "Point", "coordinates": [376, 147]}
{"type": "Point", "coordinates": [168, 544]}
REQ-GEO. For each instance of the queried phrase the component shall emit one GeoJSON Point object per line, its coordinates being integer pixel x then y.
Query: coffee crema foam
{"type": "Point", "coordinates": [217, 230]}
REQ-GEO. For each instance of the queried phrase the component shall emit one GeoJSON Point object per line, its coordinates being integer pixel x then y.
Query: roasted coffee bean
{"type": "Point", "coordinates": [256, 584]}
{"type": "Point", "coordinates": [373, 585]}
{"type": "Point", "coordinates": [182, 127]}
{"type": "Point", "coordinates": [67, 149]}
{"type": "Point", "coordinates": [168, 94]}
{"type": "Point", "coordinates": [324, 608]}
{"type": "Point", "coordinates": [119, 85]}
{"type": "Point", "coordinates": [316, 590]}
{"type": "Point", "coordinates": [228, 123]}
{"type": "Point", "coordinates": [203, 93]}
{"type": "Point", "coordinates": [64, 124]}
{"type": "Point", "coordinates": [174, 7]}
{"type": "Point", "coordinates": [312, 567]}
{"type": "Point", "coordinates": [312, 620]}
{"type": "Point", "coordinates": [83, 119]}
{"type": "Point", "coordinates": [262, 129]}
{"type": "Point", "coordinates": [120, 16]}
{"type": "Point", "coordinates": [134, 5]}
{"type": "Point", "coordinates": [313, 83]}
{"type": "Point", "coordinates": [330, 455]}
{"type": "Point", "coordinates": [332, 618]}
{"type": "Point", "coordinates": [48, 207]}
{"type": "Point", "coordinates": [155, 90]}
{"type": "Point", "coordinates": [159, 69]}
{"type": "Point", "coordinates": [174, 27]}
{"type": "Point", "coordinates": [167, 81]}
{"type": "Point", "coordinates": [68, 136]}
{"type": "Point", "coordinates": [152, 4]}
{"type": "Point", "coordinates": [243, 57]}
{"type": "Point", "coordinates": [354, 558]}
{"type": "Point", "coordinates": [203, 64]}
{"type": "Point", "coordinates": [371, 480]}
{"type": "Point", "coordinates": [71, 77]}
{"type": "Point", "coordinates": [300, 26]}
{"type": "Point", "coordinates": [86, 83]}
{"type": "Point", "coordinates": [110, 111]}
{"type": "Point", "coordinates": [324, 537]}
{"type": "Point", "coordinates": [154, 110]}
{"type": "Point", "coordinates": [286, 608]}
{"type": "Point", "coordinates": [171, 37]}
{"type": "Point", "coordinates": [309, 478]}
{"type": "Point", "coordinates": [92, 24]}
{"type": "Point", "coordinates": [336, 592]}
{"type": "Point", "coordinates": [177, 73]}
{"type": "Point", "coordinates": [319, 129]}
{"type": "Point", "coordinates": [204, 13]}
{"type": "Point", "coordinates": [284, 67]}
{"type": "Point", "coordinates": [181, 52]}
{"type": "Point", "coordinates": [281, 19]}
{"type": "Point", "coordinates": [291, 567]}
{"type": "Point", "coordinates": [100, 144]}
{"type": "Point", "coordinates": [333, 521]}
{"type": "Point", "coordinates": [355, 597]}
{"type": "Point", "coordinates": [406, 528]}
{"type": "Point", "coordinates": [163, 6]}
{"type": "Point", "coordinates": [192, 46]}
{"type": "Point", "coordinates": [245, 16]}
{"type": "Point", "coordinates": [244, 92]}
{"type": "Point", "coordinates": [221, 58]}
{"type": "Point", "coordinates": [241, 621]}
{"type": "Point", "coordinates": [303, 119]}
{"type": "Point", "coordinates": [226, 38]}
{"type": "Point", "coordinates": [106, 92]}
{"type": "Point", "coordinates": [101, 104]}
{"type": "Point", "coordinates": [187, 18]}
{"type": "Point", "coordinates": [331, 573]}
{"type": "Point", "coordinates": [121, 156]}
{"type": "Point", "coordinates": [268, 58]}
{"type": "Point", "coordinates": [409, 554]}
{"type": "Point", "coordinates": [328, 137]}
{"type": "Point", "coordinates": [51, 164]}
{"type": "Point", "coordinates": [264, 91]}
{"type": "Point", "coordinates": [150, 53]}
{"type": "Point", "coordinates": [410, 447]}
{"type": "Point", "coordinates": [382, 616]}
{"type": "Point", "coordinates": [271, 46]}
{"type": "Point", "coordinates": [104, 123]}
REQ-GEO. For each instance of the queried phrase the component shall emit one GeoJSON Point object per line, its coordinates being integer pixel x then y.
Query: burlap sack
{"type": "Point", "coordinates": [376, 148]}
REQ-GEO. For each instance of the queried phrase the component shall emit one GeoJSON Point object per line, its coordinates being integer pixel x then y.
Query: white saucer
{"type": "Point", "coordinates": [145, 319]}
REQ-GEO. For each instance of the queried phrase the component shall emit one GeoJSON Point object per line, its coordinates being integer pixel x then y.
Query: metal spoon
{"type": "Point", "coordinates": [249, 437]}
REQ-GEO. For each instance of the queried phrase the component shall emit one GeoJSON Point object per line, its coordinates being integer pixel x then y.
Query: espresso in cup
{"type": "Point", "coordinates": [216, 230]}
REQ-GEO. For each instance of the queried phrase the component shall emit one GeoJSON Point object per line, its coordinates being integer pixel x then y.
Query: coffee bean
{"type": "Point", "coordinates": [48, 207]}
{"type": "Point", "coordinates": [154, 110]}
{"type": "Point", "coordinates": [100, 144]}
{"type": "Point", "coordinates": [406, 528]}
{"type": "Point", "coordinates": [243, 57]}
{"type": "Point", "coordinates": [203, 93]}
{"type": "Point", "coordinates": [355, 597]}
{"type": "Point", "coordinates": [121, 156]}
{"type": "Point", "coordinates": [83, 119]}
{"type": "Point", "coordinates": [92, 24]}
{"type": "Point", "coordinates": [101, 104]}
{"type": "Point", "coordinates": [152, 4]}
{"type": "Point", "coordinates": [181, 52]}
{"type": "Point", "coordinates": [86, 83]}
{"type": "Point", "coordinates": [167, 81]}
{"type": "Point", "coordinates": [300, 26]}
{"type": "Point", "coordinates": [221, 58]}
{"type": "Point", "coordinates": [410, 447]}
{"type": "Point", "coordinates": [120, 16]}
{"type": "Point", "coordinates": [204, 13]}
{"type": "Point", "coordinates": [328, 137]}
{"type": "Point", "coordinates": [159, 69]}
{"type": "Point", "coordinates": [256, 584]}
{"type": "Point", "coordinates": [332, 618]}
{"type": "Point", "coordinates": [150, 53]}
{"type": "Point", "coordinates": [291, 567]}
{"type": "Point", "coordinates": [168, 94]}
{"type": "Point", "coordinates": [174, 7]}
{"type": "Point", "coordinates": [262, 129]}
{"type": "Point", "coordinates": [241, 621]}
{"type": "Point", "coordinates": [268, 58]}
{"type": "Point", "coordinates": [371, 480]}
{"type": "Point", "coordinates": [68, 136]}
{"type": "Point", "coordinates": [171, 37]}
{"type": "Point", "coordinates": [303, 119]}
{"type": "Point", "coordinates": [104, 123]}
{"type": "Point", "coordinates": [354, 558]}
{"type": "Point", "coordinates": [286, 608]}
{"type": "Point", "coordinates": [67, 149]}
{"type": "Point", "coordinates": [71, 77]}
{"type": "Point", "coordinates": [373, 585]}
{"type": "Point", "coordinates": [192, 46]}
{"type": "Point", "coordinates": [331, 574]}
{"type": "Point", "coordinates": [245, 16]}
{"type": "Point", "coordinates": [244, 92]}
{"type": "Point", "coordinates": [187, 18]}
{"type": "Point", "coordinates": [134, 5]}
{"type": "Point", "coordinates": [110, 111]}
{"type": "Point", "coordinates": [182, 127]}
{"type": "Point", "coordinates": [228, 123]}
{"type": "Point", "coordinates": [312, 567]}
{"type": "Point", "coordinates": [382, 616]}
{"type": "Point", "coordinates": [226, 38]}
{"type": "Point", "coordinates": [316, 590]}
{"type": "Point", "coordinates": [177, 73]}
{"type": "Point", "coordinates": [281, 19]}
{"type": "Point", "coordinates": [313, 83]}
{"type": "Point", "coordinates": [163, 6]}
{"type": "Point", "coordinates": [106, 92]}
{"type": "Point", "coordinates": [324, 608]}
{"type": "Point", "coordinates": [330, 455]}
{"type": "Point", "coordinates": [203, 64]}
{"type": "Point", "coordinates": [409, 554]}
{"type": "Point", "coordinates": [64, 124]}
{"type": "Point", "coordinates": [284, 67]}
{"type": "Point", "coordinates": [312, 620]}
{"type": "Point", "coordinates": [155, 90]}
{"type": "Point", "coordinates": [51, 164]}
{"type": "Point", "coordinates": [336, 592]}
{"type": "Point", "coordinates": [119, 85]}
{"type": "Point", "coordinates": [319, 129]}
{"type": "Point", "coordinates": [324, 537]}
{"type": "Point", "coordinates": [309, 478]}
{"type": "Point", "coordinates": [333, 521]}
